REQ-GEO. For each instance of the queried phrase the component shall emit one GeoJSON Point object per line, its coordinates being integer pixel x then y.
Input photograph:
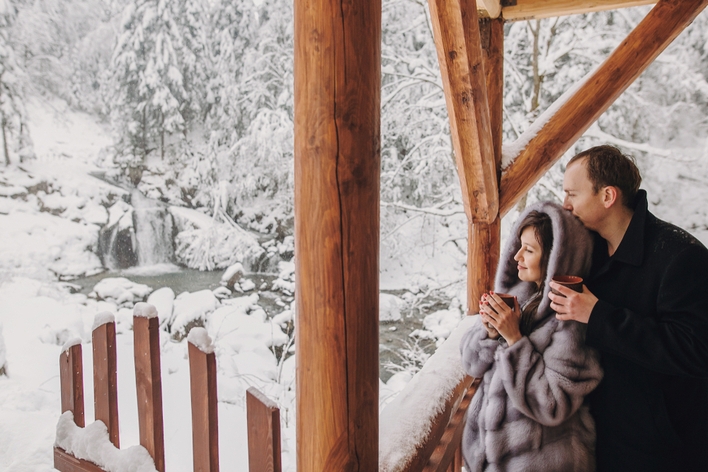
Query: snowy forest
{"type": "Point", "coordinates": [147, 155]}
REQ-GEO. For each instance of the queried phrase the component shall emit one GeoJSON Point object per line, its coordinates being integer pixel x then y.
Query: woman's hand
{"type": "Point", "coordinates": [491, 331]}
{"type": "Point", "coordinates": [503, 319]}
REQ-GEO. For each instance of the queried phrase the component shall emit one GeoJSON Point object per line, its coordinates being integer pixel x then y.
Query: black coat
{"type": "Point", "coordinates": [651, 328]}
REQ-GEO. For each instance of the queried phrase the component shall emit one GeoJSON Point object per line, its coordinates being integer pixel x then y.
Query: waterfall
{"type": "Point", "coordinates": [153, 230]}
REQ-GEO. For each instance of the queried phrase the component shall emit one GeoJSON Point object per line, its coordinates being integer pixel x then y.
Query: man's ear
{"type": "Point", "coordinates": [610, 196]}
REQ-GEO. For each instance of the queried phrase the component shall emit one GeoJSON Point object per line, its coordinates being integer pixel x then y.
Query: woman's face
{"type": "Point", "coordinates": [529, 257]}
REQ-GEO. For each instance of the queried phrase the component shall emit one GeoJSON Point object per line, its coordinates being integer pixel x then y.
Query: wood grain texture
{"type": "Point", "coordinates": [105, 379]}
{"type": "Point", "coordinates": [71, 377]}
{"type": "Point", "coordinates": [337, 179]}
{"type": "Point", "coordinates": [65, 462]}
{"type": "Point", "coordinates": [148, 380]}
{"type": "Point", "coordinates": [528, 9]}
{"type": "Point", "coordinates": [444, 454]}
{"type": "Point", "coordinates": [263, 417]}
{"type": "Point", "coordinates": [457, 41]}
{"type": "Point", "coordinates": [205, 421]}
{"type": "Point", "coordinates": [490, 8]}
{"type": "Point", "coordinates": [658, 29]}
{"type": "Point", "coordinates": [484, 239]}
{"type": "Point", "coordinates": [439, 426]}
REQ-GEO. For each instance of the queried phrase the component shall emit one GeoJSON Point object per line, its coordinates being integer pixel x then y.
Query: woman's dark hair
{"type": "Point", "coordinates": [543, 230]}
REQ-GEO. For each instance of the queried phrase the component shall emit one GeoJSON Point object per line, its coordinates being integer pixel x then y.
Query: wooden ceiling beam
{"type": "Point", "coordinates": [490, 8]}
{"type": "Point", "coordinates": [531, 9]}
{"type": "Point", "coordinates": [457, 40]}
{"type": "Point", "coordinates": [595, 95]}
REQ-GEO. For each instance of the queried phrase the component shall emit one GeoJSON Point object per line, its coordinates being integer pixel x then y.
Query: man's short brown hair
{"type": "Point", "coordinates": [607, 166]}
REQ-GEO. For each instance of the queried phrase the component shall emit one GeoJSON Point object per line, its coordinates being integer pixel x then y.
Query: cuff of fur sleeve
{"type": "Point", "coordinates": [511, 354]}
{"type": "Point", "coordinates": [597, 323]}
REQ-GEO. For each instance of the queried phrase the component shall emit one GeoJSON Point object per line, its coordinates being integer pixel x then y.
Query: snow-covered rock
{"type": "Point", "coordinates": [191, 309]}
{"type": "Point", "coordinates": [232, 275]}
{"type": "Point", "coordinates": [286, 278]}
{"type": "Point", "coordinates": [46, 246]}
{"type": "Point", "coordinates": [163, 300]}
{"type": "Point", "coordinates": [440, 324]}
{"type": "Point", "coordinates": [218, 246]}
{"type": "Point", "coordinates": [121, 291]}
{"type": "Point", "coordinates": [390, 307]}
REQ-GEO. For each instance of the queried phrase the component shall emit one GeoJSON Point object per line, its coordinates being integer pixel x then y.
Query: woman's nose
{"type": "Point", "coordinates": [517, 256]}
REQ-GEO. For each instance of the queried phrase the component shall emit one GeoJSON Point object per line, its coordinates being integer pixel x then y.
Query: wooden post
{"type": "Point", "coordinates": [263, 432]}
{"type": "Point", "coordinates": [483, 239]}
{"type": "Point", "coordinates": [337, 179]}
{"type": "Point", "coordinates": [71, 375]}
{"type": "Point", "coordinates": [573, 117]}
{"type": "Point", "coordinates": [205, 424]}
{"type": "Point", "coordinates": [148, 382]}
{"type": "Point", "coordinates": [105, 379]}
{"type": "Point", "coordinates": [457, 40]}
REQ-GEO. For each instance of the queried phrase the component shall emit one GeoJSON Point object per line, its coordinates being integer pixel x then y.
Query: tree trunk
{"type": "Point", "coordinates": [4, 143]}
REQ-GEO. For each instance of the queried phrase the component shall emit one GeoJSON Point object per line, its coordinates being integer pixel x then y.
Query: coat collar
{"type": "Point", "coordinates": [631, 249]}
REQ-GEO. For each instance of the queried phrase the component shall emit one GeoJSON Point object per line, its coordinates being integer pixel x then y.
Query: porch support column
{"type": "Point", "coordinates": [337, 174]}
{"type": "Point", "coordinates": [483, 238]}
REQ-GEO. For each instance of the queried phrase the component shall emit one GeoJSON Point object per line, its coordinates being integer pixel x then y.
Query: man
{"type": "Point", "coordinates": [646, 308]}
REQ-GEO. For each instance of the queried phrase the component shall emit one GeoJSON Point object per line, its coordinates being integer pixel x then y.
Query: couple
{"type": "Point", "coordinates": [634, 343]}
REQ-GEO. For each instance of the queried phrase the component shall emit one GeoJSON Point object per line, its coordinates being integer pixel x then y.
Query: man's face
{"type": "Point", "coordinates": [580, 197]}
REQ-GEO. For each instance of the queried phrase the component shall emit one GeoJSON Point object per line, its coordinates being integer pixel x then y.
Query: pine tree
{"type": "Point", "coordinates": [155, 72]}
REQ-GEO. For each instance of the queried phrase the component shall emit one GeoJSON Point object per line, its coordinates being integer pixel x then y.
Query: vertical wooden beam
{"type": "Point", "coordinates": [146, 331]}
{"type": "Point", "coordinates": [263, 432]}
{"type": "Point", "coordinates": [105, 379]}
{"type": "Point", "coordinates": [575, 115]}
{"type": "Point", "coordinates": [457, 41]}
{"type": "Point", "coordinates": [483, 239]}
{"type": "Point", "coordinates": [71, 376]}
{"type": "Point", "coordinates": [337, 179]}
{"type": "Point", "coordinates": [205, 421]}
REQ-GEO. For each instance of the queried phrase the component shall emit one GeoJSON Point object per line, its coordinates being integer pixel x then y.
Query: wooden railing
{"type": "Point", "coordinates": [436, 449]}
{"type": "Point", "coordinates": [421, 429]}
{"type": "Point", "coordinates": [263, 414]}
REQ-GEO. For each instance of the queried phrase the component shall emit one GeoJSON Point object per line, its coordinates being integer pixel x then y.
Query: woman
{"type": "Point", "coordinates": [528, 412]}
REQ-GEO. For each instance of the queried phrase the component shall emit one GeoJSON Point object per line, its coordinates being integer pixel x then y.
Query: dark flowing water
{"type": "Point", "coordinates": [394, 337]}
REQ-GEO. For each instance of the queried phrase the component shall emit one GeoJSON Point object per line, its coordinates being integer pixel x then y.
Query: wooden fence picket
{"type": "Point", "coordinates": [263, 432]}
{"type": "Point", "coordinates": [205, 424]}
{"type": "Point", "coordinates": [148, 382]}
{"type": "Point", "coordinates": [105, 379]}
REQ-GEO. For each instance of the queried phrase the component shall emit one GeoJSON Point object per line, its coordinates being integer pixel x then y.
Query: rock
{"type": "Point", "coordinates": [232, 275]}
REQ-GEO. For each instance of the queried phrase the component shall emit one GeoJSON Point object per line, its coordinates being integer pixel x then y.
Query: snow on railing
{"type": "Point", "coordinates": [96, 448]}
{"type": "Point", "coordinates": [406, 424]}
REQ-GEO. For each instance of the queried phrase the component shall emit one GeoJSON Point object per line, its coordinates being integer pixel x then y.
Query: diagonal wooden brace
{"type": "Point", "coordinates": [457, 40]}
{"type": "Point", "coordinates": [573, 117]}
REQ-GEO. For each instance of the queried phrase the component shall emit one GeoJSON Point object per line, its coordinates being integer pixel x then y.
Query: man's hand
{"type": "Point", "coordinates": [573, 306]}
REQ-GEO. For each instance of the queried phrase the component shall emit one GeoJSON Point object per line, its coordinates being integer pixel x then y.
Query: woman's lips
{"type": "Point", "coordinates": [520, 267]}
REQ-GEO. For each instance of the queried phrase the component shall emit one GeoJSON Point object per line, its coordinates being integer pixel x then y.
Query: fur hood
{"type": "Point", "coordinates": [572, 257]}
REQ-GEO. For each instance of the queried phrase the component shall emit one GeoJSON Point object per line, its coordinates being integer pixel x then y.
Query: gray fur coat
{"type": "Point", "coordinates": [528, 413]}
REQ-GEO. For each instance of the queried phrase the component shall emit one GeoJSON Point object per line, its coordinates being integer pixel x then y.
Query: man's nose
{"type": "Point", "coordinates": [566, 204]}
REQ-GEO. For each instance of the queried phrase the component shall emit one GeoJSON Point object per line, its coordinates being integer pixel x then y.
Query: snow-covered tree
{"type": "Point", "coordinates": [152, 63]}
{"type": "Point", "coordinates": [13, 118]}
